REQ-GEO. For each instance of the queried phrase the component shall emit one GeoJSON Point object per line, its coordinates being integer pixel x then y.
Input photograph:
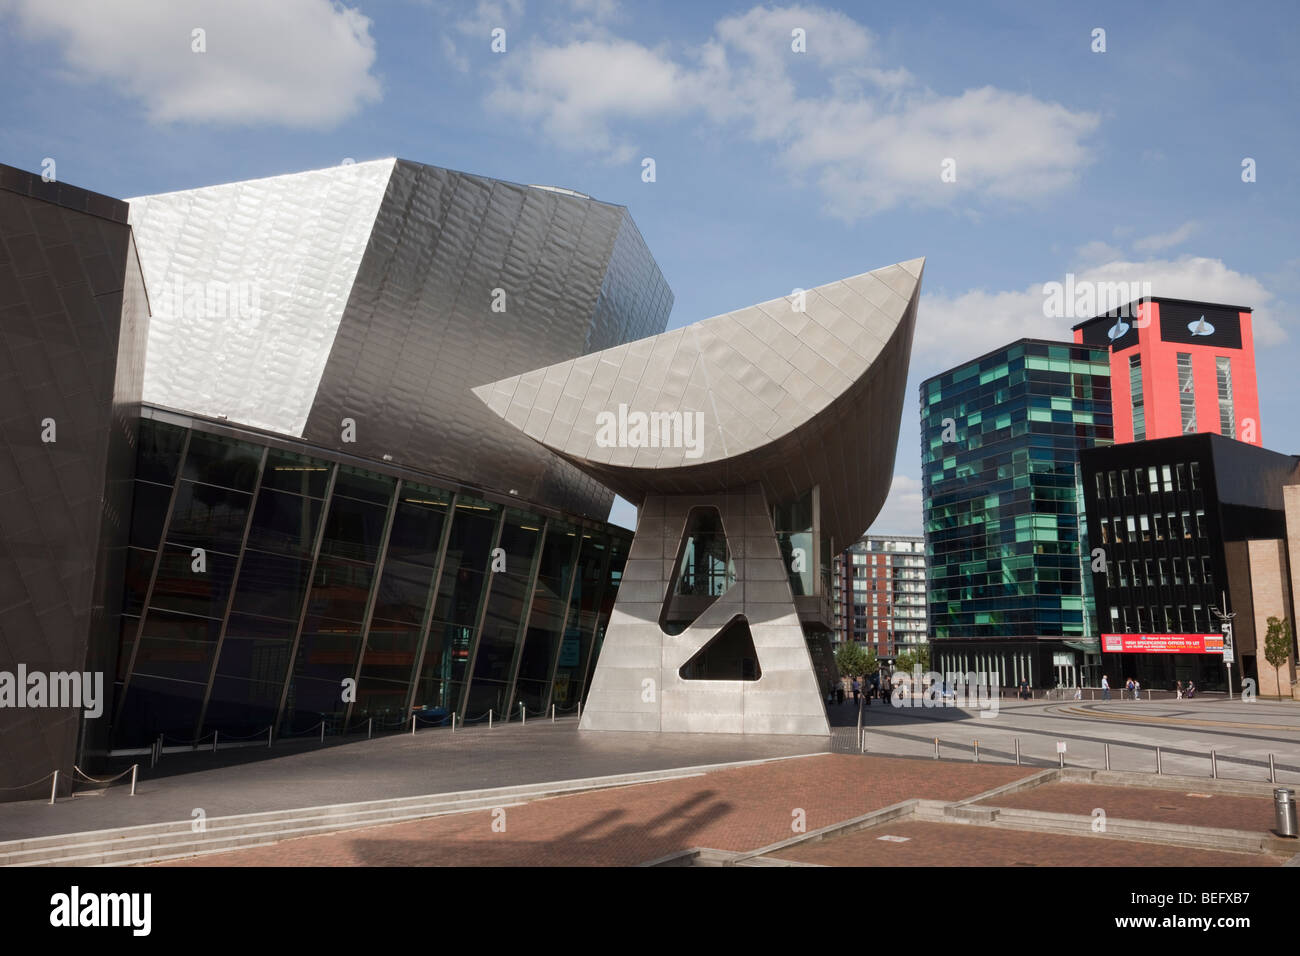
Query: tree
{"type": "Point", "coordinates": [905, 662]}
{"type": "Point", "coordinates": [923, 657]}
{"type": "Point", "coordinates": [1277, 646]}
{"type": "Point", "coordinates": [852, 661]}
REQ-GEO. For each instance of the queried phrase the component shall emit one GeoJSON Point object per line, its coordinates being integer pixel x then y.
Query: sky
{"type": "Point", "coordinates": [1009, 143]}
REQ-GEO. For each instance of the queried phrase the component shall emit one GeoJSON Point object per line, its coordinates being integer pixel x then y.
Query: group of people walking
{"type": "Point", "coordinates": [1133, 687]}
{"type": "Point", "coordinates": [860, 689]}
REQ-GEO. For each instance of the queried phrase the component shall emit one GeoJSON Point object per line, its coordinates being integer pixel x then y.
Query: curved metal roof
{"type": "Point", "coordinates": [795, 392]}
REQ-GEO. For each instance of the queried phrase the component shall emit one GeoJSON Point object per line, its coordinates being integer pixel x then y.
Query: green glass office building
{"type": "Point", "coordinates": [1000, 439]}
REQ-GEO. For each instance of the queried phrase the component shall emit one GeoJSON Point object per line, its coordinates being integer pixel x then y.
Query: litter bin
{"type": "Point", "coordinates": [1284, 810]}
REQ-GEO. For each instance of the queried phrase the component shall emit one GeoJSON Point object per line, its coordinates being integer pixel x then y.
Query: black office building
{"type": "Point", "coordinates": [1185, 525]}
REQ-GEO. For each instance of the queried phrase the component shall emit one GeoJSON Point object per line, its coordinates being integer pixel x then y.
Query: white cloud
{"type": "Point", "coordinates": [952, 329]}
{"type": "Point", "coordinates": [901, 513]}
{"type": "Point", "coordinates": [299, 63]}
{"type": "Point", "coordinates": [870, 135]}
{"type": "Point", "coordinates": [474, 28]}
{"type": "Point", "coordinates": [1166, 240]}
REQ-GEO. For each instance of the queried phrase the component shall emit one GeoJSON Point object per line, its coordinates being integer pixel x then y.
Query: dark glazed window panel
{"type": "Point", "coordinates": [363, 485]}
{"type": "Point", "coordinates": [328, 651]}
{"type": "Point", "coordinates": [403, 592]}
{"type": "Point", "coordinates": [505, 609]}
{"type": "Point", "coordinates": [298, 474]}
{"type": "Point", "coordinates": [390, 652]}
{"type": "Point", "coordinates": [310, 699]}
{"type": "Point", "coordinates": [543, 636]}
{"type": "Point", "coordinates": [382, 698]}
{"type": "Point", "coordinates": [519, 539]}
{"type": "Point", "coordinates": [340, 590]}
{"type": "Point", "coordinates": [156, 706]}
{"type": "Point", "coordinates": [178, 587]}
{"type": "Point", "coordinates": [459, 597]}
{"type": "Point", "coordinates": [250, 627]}
{"type": "Point", "coordinates": [174, 659]}
{"type": "Point", "coordinates": [208, 517]}
{"type": "Point", "coordinates": [159, 453]}
{"type": "Point", "coordinates": [254, 659]}
{"type": "Point", "coordinates": [217, 460]}
{"type": "Point", "coordinates": [417, 526]}
{"type": "Point", "coordinates": [284, 523]}
{"type": "Point", "coordinates": [354, 529]}
{"type": "Point", "coordinates": [447, 655]}
{"type": "Point", "coordinates": [125, 644]}
{"type": "Point", "coordinates": [470, 543]}
{"type": "Point", "coordinates": [242, 707]}
{"type": "Point", "coordinates": [433, 693]}
{"type": "Point", "coordinates": [148, 513]}
{"type": "Point", "coordinates": [271, 585]}
{"type": "Point", "coordinates": [139, 567]}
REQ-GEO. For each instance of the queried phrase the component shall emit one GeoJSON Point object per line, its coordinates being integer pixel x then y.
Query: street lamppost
{"type": "Point", "coordinates": [1225, 625]}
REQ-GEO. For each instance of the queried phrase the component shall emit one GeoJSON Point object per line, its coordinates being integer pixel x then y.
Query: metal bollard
{"type": "Point", "coordinates": [1017, 751]}
{"type": "Point", "coordinates": [552, 713]}
{"type": "Point", "coordinates": [370, 727]}
{"type": "Point", "coordinates": [936, 748]}
{"type": "Point", "coordinates": [1107, 756]}
{"type": "Point", "coordinates": [134, 768]}
{"type": "Point", "coordinates": [863, 738]}
{"type": "Point", "coordinates": [1214, 765]}
{"type": "Point", "coordinates": [1272, 771]}
{"type": "Point", "coordinates": [268, 734]}
{"type": "Point", "coordinates": [322, 731]}
{"type": "Point", "coordinates": [1283, 811]}
{"type": "Point", "coordinates": [54, 788]}
{"type": "Point", "coordinates": [453, 721]}
{"type": "Point", "coordinates": [523, 714]}
{"type": "Point", "coordinates": [1159, 769]}
{"type": "Point", "coordinates": [215, 734]}
{"type": "Point", "coordinates": [580, 708]}
{"type": "Point", "coordinates": [413, 725]}
{"type": "Point", "coordinates": [489, 718]}
{"type": "Point", "coordinates": [977, 751]}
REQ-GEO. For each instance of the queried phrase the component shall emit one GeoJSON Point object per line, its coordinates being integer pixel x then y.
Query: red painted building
{"type": "Point", "coordinates": [1179, 367]}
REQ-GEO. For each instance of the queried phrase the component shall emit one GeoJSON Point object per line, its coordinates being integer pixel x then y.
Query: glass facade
{"type": "Point", "coordinates": [1186, 393]}
{"type": "Point", "coordinates": [1000, 441]}
{"type": "Point", "coordinates": [1223, 377]}
{"type": "Point", "coordinates": [1135, 395]}
{"type": "Point", "coordinates": [268, 587]}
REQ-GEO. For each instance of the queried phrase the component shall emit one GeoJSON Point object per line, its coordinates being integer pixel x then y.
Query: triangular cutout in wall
{"type": "Point", "coordinates": [728, 655]}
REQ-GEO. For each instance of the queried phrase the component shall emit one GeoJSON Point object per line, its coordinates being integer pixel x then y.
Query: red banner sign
{"type": "Point", "coordinates": [1162, 643]}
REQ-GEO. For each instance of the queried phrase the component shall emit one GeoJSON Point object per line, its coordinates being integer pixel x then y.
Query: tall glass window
{"type": "Point", "coordinates": [1227, 417]}
{"type": "Point", "coordinates": [1135, 390]}
{"type": "Point", "coordinates": [1186, 393]}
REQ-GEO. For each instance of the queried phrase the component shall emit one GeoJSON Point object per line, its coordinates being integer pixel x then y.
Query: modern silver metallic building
{"type": "Point", "coordinates": [307, 493]}
{"type": "Point", "coordinates": [756, 443]}
{"type": "Point", "coordinates": [380, 293]}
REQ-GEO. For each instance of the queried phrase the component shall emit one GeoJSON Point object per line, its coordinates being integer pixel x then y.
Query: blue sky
{"type": "Point", "coordinates": [774, 169]}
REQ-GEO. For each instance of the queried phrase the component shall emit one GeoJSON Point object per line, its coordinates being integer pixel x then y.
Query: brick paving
{"type": "Point", "coordinates": [1146, 803]}
{"type": "Point", "coordinates": [738, 809]}
{"type": "Point", "coordinates": [950, 844]}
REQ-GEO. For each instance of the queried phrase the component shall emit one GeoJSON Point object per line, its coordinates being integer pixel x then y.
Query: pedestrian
{"type": "Point", "coordinates": [1137, 689]}
{"type": "Point", "coordinates": [1179, 688]}
{"type": "Point", "coordinates": [1105, 687]}
{"type": "Point", "coordinates": [839, 693]}
{"type": "Point", "coordinates": [1024, 689]}
{"type": "Point", "coordinates": [857, 690]}
{"type": "Point", "coordinates": [1128, 687]}
{"type": "Point", "coordinates": [1191, 689]}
